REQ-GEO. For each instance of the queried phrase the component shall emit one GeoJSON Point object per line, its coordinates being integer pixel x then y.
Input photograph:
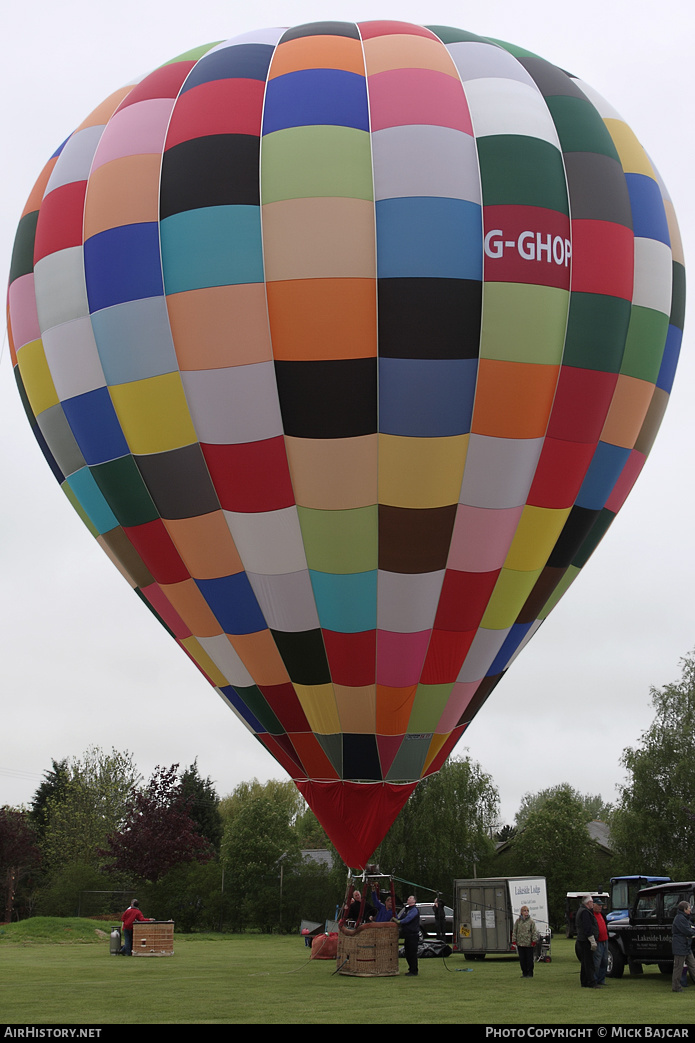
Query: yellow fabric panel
{"type": "Point", "coordinates": [200, 656]}
{"type": "Point", "coordinates": [632, 156]}
{"type": "Point", "coordinates": [421, 472]}
{"type": "Point", "coordinates": [154, 414]}
{"type": "Point", "coordinates": [318, 703]}
{"type": "Point", "coordinates": [508, 598]}
{"type": "Point", "coordinates": [37, 378]}
{"type": "Point", "coordinates": [535, 537]}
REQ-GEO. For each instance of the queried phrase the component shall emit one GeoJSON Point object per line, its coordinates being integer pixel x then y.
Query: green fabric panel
{"type": "Point", "coordinates": [258, 706]}
{"type": "Point", "coordinates": [332, 746]}
{"type": "Point", "coordinates": [409, 762]}
{"type": "Point", "coordinates": [23, 249]}
{"type": "Point", "coordinates": [304, 162]}
{"type": "Point", "coordinates": [125, 492]}
{"type": "Point", "coordinates": [566, 581]}
{"type": "Point", "coordinates": [340, 542]}
{"type": "Point", "coordinates": [524, 171]}
{"type": "Point", "coordinates": [428, 706]}
{"type": "Point", "coordinates": [579, 126]}
{"type": "Point", "coordinates": [596, 332]}
{"type": "Point", "coordinates": [678, 296]}
{"type": "Point", "coordinates": [448, 34]}
{"type": "Point", "coordinates": [518, 52]}
{"type": "Point", "coordinates": [523, 322]}
{"type": "Point", "coordinates": [644, 348]}
{"type": "Point", "coordinates": [194, 54]}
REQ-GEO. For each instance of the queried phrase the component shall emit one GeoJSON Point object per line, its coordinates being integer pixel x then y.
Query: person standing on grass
{"type": "Point", "coordinates": [682, 934]}
{"type": "Point", "coordinates": [525, 936]}
{"type": "Point", "coordinates": [129, 917]}
{"type": "Point", "coordinates": [601, 950]}
{"type": "Point", "coordinates": [409, 921]}
{"type": "Point", "coordinates": [585, 945]}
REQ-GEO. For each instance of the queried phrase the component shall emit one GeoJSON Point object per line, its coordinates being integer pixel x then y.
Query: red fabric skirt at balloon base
{"type": "Point", "coordinates": [356, 815]}
{"type": "Point", "coordinates": [324, 946]}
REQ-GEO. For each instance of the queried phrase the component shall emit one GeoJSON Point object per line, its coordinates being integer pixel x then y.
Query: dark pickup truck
{"type": "Point", "coordinates": [645, 936]}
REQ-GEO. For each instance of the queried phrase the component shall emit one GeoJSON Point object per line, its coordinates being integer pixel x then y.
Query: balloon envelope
{"type": "Point", "coordinates": [347, 342]}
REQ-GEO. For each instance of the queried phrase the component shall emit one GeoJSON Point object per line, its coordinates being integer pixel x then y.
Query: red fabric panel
{"type": "Point", "coordinates": [251, 476]}
{"type": "Point", "coordinates": [356, 815]}
{"type": "Point", "coordinates": [217, 107]}
{"type": "Point", "coordinates": [603, 258]}
{"type": "Point", "coordinates": [351, 657]}
{"type": "Point", "coordinates": [560, 473]}
{"type": "Point", "coordinates": [532, 243]}
{"type": "Point", "coordinates": [154, 545]}
{"type": "Point", "coordinates": [445, 655]}
{"type": "Point", "coordinates": [165, 82]}
{"type": "Point", "coordinates": [581, 403]}
{"type": "Point", "coordinates": [166, 611]}
{"type": "Point", "coordinates": [464, 599]}
{"type": "Point", "coordinates": [282, 700]}
{"type": "Point", "coordinates": [60, 220]}
{"type": "Point", "coordinates": [368, 30]}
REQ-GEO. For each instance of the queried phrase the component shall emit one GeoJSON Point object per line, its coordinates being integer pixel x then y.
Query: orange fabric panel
{"type": "Point", "coordinates": [323, 318]}
{"type": "Point", "coordinates": [393, 708]}
{"type": "Point", "coordinates": [318, 52]}
{"type": "Point", "coordinates": [259, 654]}
{"type": "Point", "coordinates": [206, 545]}
{"type": "Point", "coordinates": [204, 336]}
{"type": "Point", "coordinates": [513, 399]}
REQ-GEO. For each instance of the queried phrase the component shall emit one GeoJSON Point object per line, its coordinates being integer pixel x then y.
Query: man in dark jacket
{"type": "Point", "coordinates": [683, 933]}
{"type": "Point", "coordinates": [587, 939]}
{"type": "Point", "coordinates": [409, 921]}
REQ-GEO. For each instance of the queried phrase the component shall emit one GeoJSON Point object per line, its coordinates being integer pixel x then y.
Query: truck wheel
{"type": "Point", "coordinates": [635, 968]}
{"type": "Point", "coordinates": [616, 961]}
{"type": "Point", "coordinates": [666, 968]}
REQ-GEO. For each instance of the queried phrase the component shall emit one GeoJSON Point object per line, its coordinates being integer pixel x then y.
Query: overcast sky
{"type": "Point", "coordinates": [84, 663]}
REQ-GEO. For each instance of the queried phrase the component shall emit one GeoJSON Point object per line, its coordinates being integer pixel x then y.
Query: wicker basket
{"type": "Point", "coordinates": [153, 938]}
{"type": "Point", "coordinates": [368, 951]}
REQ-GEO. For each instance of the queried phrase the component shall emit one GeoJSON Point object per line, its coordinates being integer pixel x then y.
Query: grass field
{"type": "Point", "coordinates": [61, 974]}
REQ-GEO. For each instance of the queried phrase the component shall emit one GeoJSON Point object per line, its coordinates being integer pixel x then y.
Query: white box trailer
{"type": "Point", "coordinates": [485, 911]}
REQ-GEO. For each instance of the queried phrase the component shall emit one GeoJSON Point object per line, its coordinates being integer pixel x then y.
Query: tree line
{"type": "Point", "coordinates": [96, 833]}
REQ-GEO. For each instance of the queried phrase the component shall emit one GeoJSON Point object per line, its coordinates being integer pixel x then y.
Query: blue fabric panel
{"type": "Point", "coordinates": [345, 603]}
{"type": "Point", "coordinates": [426, 398]}
{"type": "Point", "coordinates": [670, 359]}
{"type": "Point", "coordinates": [316, 97]}
{"type": "Point", "coordinates": [238, 703]}
{"type": "Point", "coordinates": [122, 264]}
{"type": "Point", "coordinates": [214, 246]}
{"type": "Point", "coordinates": [426, 236]}
{"type": "Point", "coordinates": [233, 602]}
{"type": "Point", "coordinates": [648, 214]}
{"type": "Point", "coordinates": [94, 424]}
{"type": "Point", "coordinates": [514, 638]}
{"type": "Point", "coordinates": [92, 500]}
{"type": "Point", "coordinates": [605, 469]}
{"type": "Point", "coordinates": [247, 61]}
{"type": "Point", "coordinates": [134, 340]}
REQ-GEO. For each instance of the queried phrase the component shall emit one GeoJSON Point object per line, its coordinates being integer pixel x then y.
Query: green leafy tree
{"type": "Point", "coordinates": [593, 806]}
{"type": "Point", "coordinates": [90, 803]}
{"type": "Point", "coordinates": [52, 788]}
{"type": "Point", "coordinates": [555, 843]}
{"type": "Point", "coordinates": [203, 806]}
{"type": "Point", "coordinates": [19, 854]}
{"type": "Point", "coordinates": [652, 826]}
{"type": "Point", "coordinates": [445, 829]}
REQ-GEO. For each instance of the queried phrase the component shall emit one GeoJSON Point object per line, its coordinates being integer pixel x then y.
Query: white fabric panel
{"type": "Point", "coordinates": [499, 471]}
{"type": "Point", "coordinates": [425, 161]}
{"type": "Point", "coordinates": [73, 359]}
{"type": "Point", "coordinates": [653, 275]}
{"type": "Point", "coordinates": [486, 645]}
{"type": "Point", "coordinates": [234, 405]}
{"type": "Point", "coordinates": [75, 161]}
{"type": "Point", "coordinates": [269, 543]}
{"type": "Point", "coordinates": [407, 603]}
{"type": "Point", "coordinates": [509, 107]}
{"type": "Point", "coordinates": [136, 130]}
{"type": "Point", "coordinates": [226, 659]}
{"type": "Point", "coordinates": [61, 293]}
{"type": "Point", "coordinates": [134, 340]}
{"type": "Point", "coordinates": [287, 601]}
{"type": "Point", "coordinates": [604, 108]}
{"type": "Point", "coordinates": [474, 60]}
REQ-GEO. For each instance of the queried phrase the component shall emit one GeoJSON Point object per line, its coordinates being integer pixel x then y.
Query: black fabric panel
{"type": "Point", "coordinates": [429, 318]}
{"type": "Point", "coordinates": [179, 482]}
{"type": "Point", "coordinates": [304, 655]}
{"type": "Point", "coordinates": [597, 188]}
{"type": "Point", "coordinates": [331, 399]}
{"type": "Point", "coordinates": [361, 757]}
{"type": "Point", "coordinates": [247, 61]}
{"type": "Point", "coordinates": [214, 170]}
{"type": "Point", "coordinates": [575, 531]}
{"type": "Point", "coordinates": [23, 249]}
{"type": "Point", "coordinates": [550, 79]}
{"type": "Point", "coordinates": [415, 541]}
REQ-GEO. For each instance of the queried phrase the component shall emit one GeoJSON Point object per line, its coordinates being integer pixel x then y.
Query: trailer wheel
{"type": "Point", "coordinates": [616, 961]}
{"type": "Point", "coordinates": [635, 968]}
{"type": "Point", "coordinates": [666, 968]}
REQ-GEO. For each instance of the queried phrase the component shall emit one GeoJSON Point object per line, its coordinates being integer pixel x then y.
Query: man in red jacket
{"type": "Point", "coordinates": [129, 917]}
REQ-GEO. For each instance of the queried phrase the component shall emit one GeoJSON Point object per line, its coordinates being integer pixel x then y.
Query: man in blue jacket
{"type": "Point", "coordinates": [683, 933]}
{"type": "Point", "coordinates": [409, 921]}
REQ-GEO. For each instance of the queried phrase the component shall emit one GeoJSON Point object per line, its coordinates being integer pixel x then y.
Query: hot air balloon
{"type": "Point", "coordinates": [347, 342]}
